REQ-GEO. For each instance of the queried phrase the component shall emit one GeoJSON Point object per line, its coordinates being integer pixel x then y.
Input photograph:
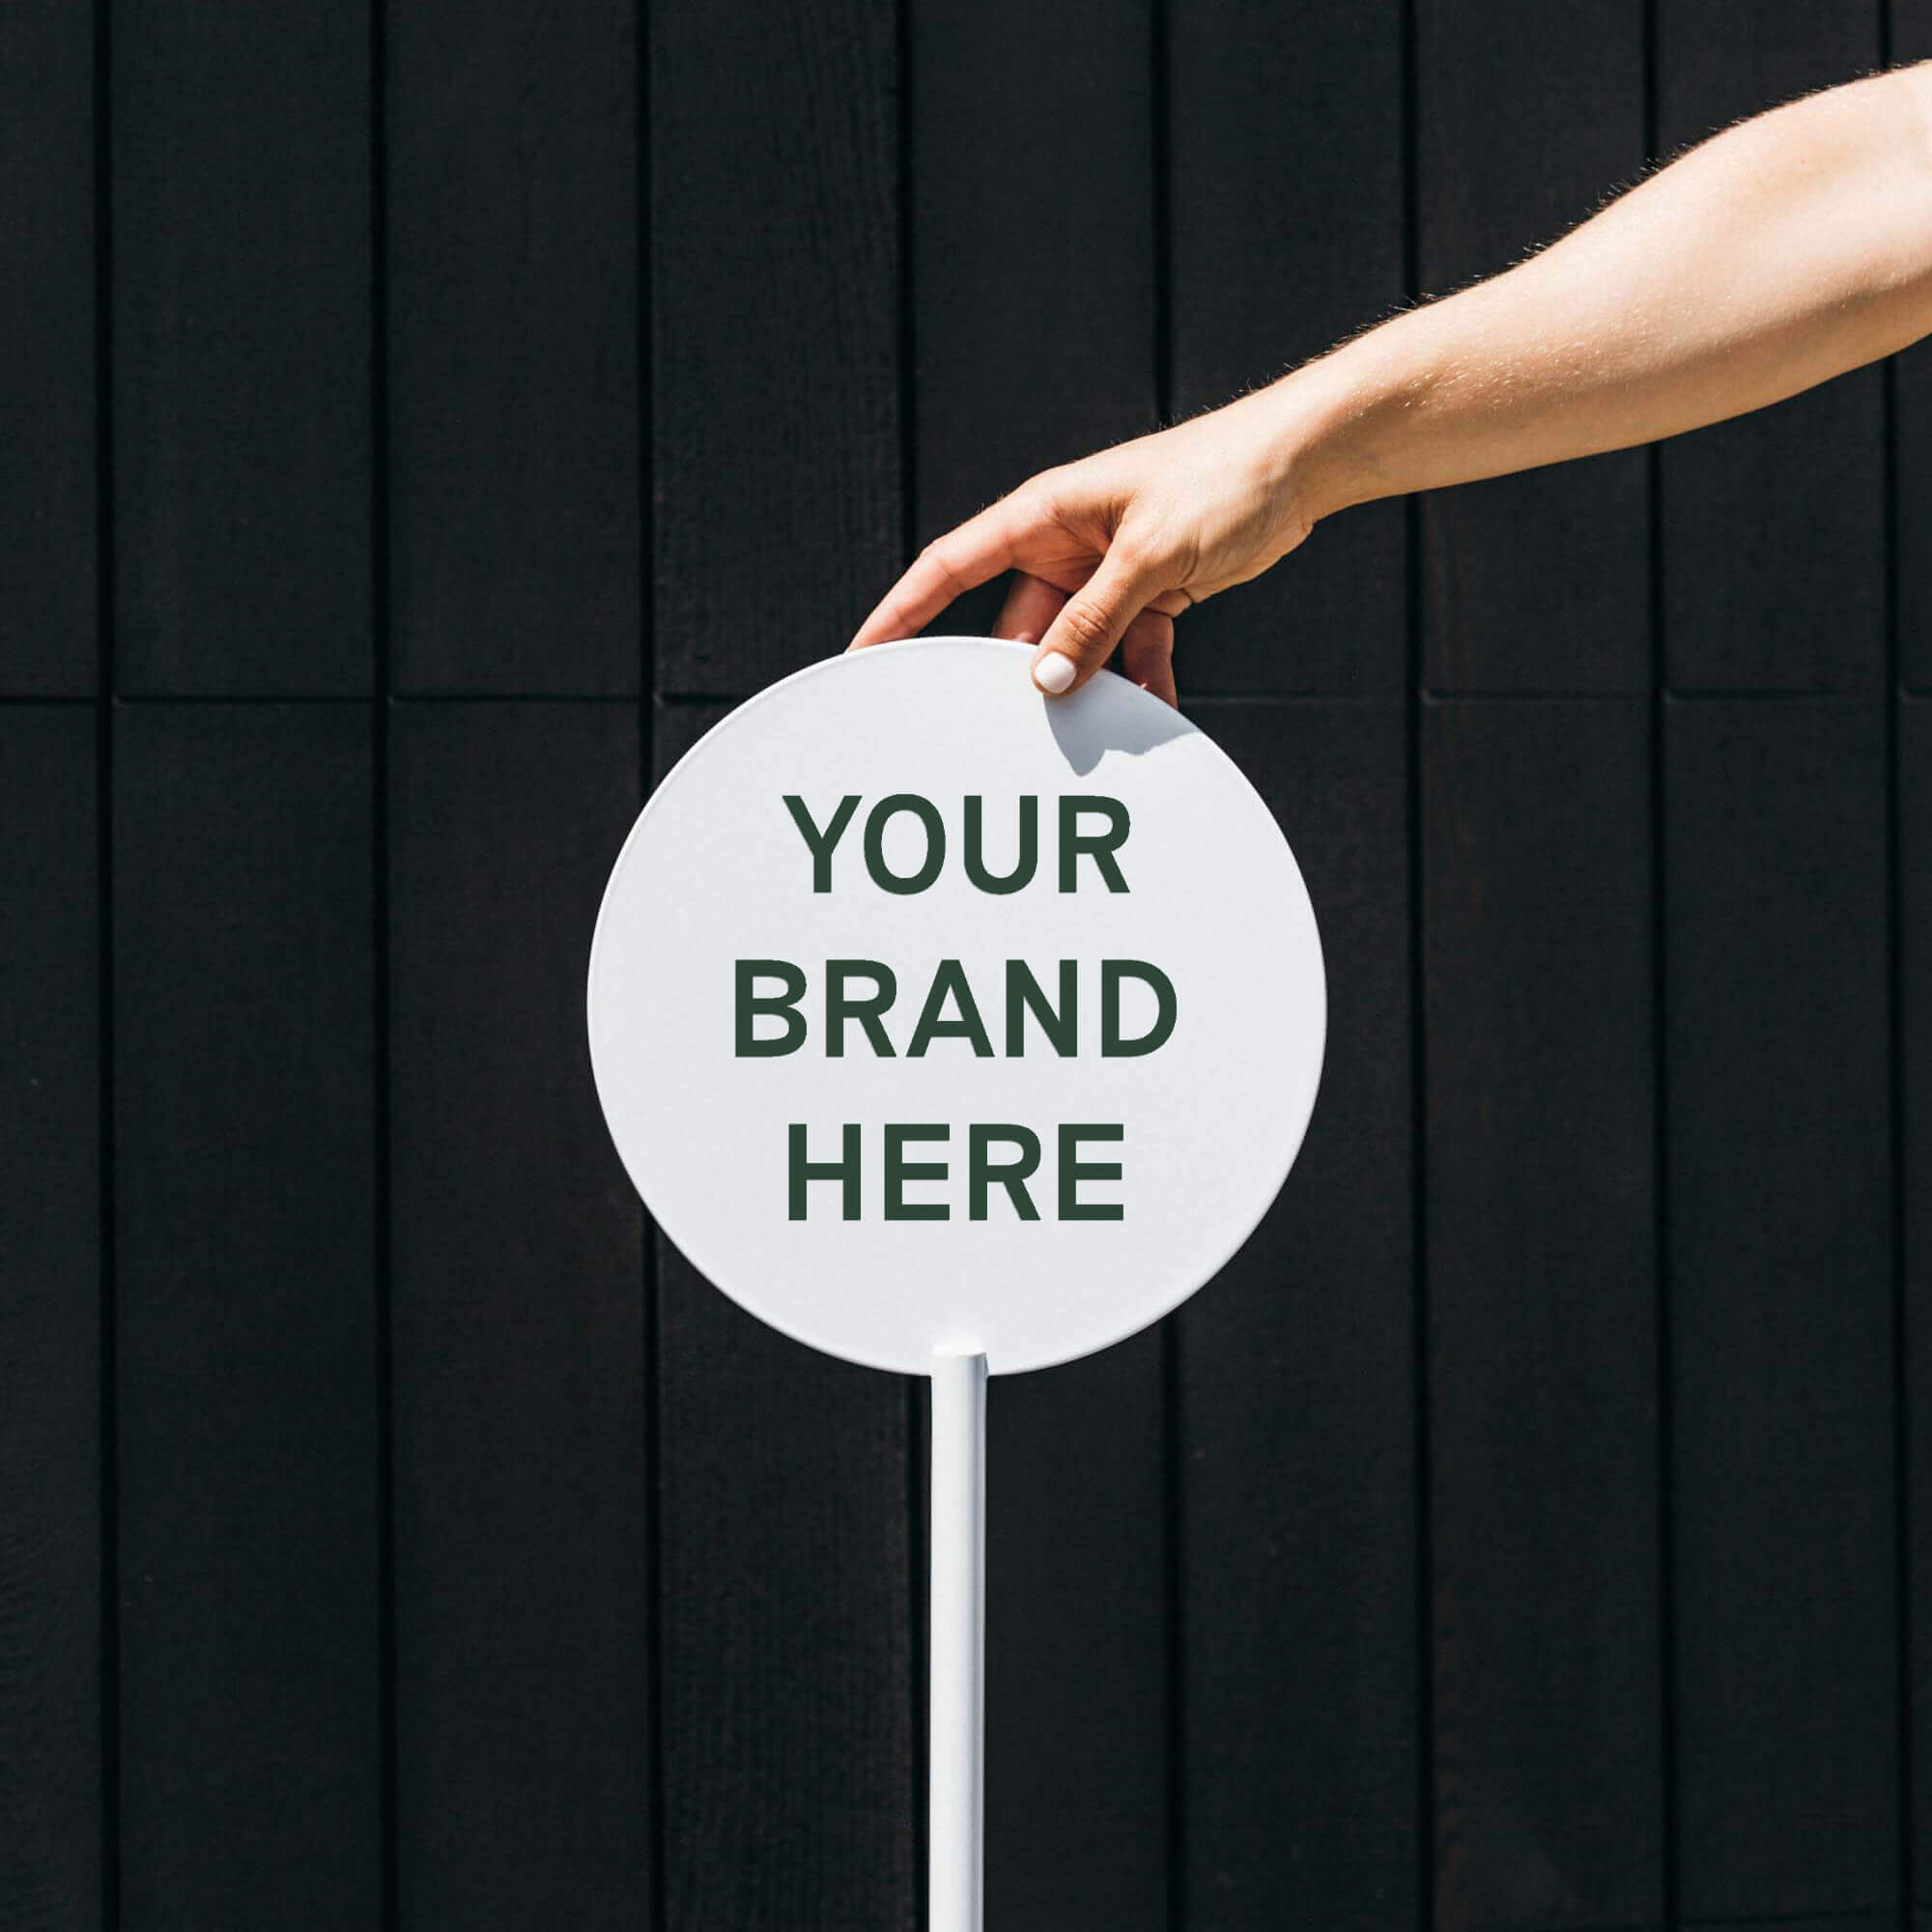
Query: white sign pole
{"type": "Point", "coordinates": [956, 1718]}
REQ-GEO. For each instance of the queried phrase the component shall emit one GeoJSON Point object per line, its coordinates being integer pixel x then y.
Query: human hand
{"type": "Point", "coordinates": [1110, 549]}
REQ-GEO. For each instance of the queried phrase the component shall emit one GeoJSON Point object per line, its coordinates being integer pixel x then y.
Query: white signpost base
{"type": "Point", "coordinates": [956, 1716]}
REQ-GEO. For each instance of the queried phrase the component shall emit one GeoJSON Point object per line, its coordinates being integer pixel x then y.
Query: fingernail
{"type": "Point", "coordinates": [1053, 673]}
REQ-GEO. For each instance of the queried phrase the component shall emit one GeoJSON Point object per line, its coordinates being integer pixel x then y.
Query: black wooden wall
{"type": "Point", "coordinates": [417, 427]}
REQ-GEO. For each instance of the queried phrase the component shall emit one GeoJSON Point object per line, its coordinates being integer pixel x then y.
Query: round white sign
{"type": "Point", "coordinates": [929, 1013]}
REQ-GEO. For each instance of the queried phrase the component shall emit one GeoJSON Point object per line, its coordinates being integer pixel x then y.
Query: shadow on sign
{"type": "Point", "coordinates": [1087, 732]}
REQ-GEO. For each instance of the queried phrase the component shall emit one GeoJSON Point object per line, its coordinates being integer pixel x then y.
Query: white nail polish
{"type": "Point", "coordinates": [1054, 672]}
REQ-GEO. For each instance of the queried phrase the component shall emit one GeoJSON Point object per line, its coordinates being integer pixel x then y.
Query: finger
{"type": "Point", "coordinates": [1147, 655]}
{"type": "Point", "coordinates": [980, 548]}
{"type": "Point", "coordinates": [1092, 622]}
{"type": "Point", "coordinates": [1031, 606]}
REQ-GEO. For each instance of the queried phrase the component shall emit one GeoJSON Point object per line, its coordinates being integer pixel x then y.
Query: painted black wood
{"type": "Point", "coordinates": [1077, 1737]}
{"type": "Point", "coordinates": [247, 1406]}
{"type": "Point", "coordinates": [1300, 1721]}
{"type": "Point", "coordinates": [867, 265]}
{"type": "Point", "coordinates": [1284, 231]}
{"type": "Point", "coordinates": [1526, 117]}
{"type": "Point", "coordinates": [1912, 510]}
{"type": "Point", "coordinates": [775, 314]}
{"type": "Point", "coordinates": [1800, 603]}
{"type": "Point", "coordinates": [1796, 599]}
{"type": "Point", "coordinates": [1909, 40]}
{"type": "Point", "coordinates": [1032, 248]}
{"type": "Point", "coordinates": [47, 482]}
{"type": "Point", "coordinates": [513, 350]}
{"type": "Point", "coordinates": [790, 1788]}
{"type": "Point", "coordinates": [50, 1253]}
{"type": "Point", "coordinates": [1914, 856]}
{"type": "Point", "coordinates": [1780, 1200]}
{"type": "Point", "coordinates": [241, 348]}
{"type": "Point", "coordinates": [1032, 269]}
{"type": "Point", "coordinates": [523, 1617]}
{"type": "Point", "coordinates": [1543, 1348]}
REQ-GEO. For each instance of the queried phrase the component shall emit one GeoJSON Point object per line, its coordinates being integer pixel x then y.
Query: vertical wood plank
{"type": "Point", "coordinates": [247, 1347]}
{"type": "Point", "coordinates": [1297, 1434]}
{"type": "Point", "coordinates": [1286, 143]}
{"type": "Point", "coordinates": [775, 324]}
{"type": "Point", "coordinates": [1032, 248]}
{"type": "Point", "coordinates": [512, 274]}
{"type": "Point", "coordinates": [1911, 395]}
{"type": "Point", "coordinates": [1796, 600]}
{"type": "Point", "coordinates": [1767, 586]}
{"type": "Point", "coordinates": [50, 1397]}
{"type": "Point", "coordinates": [1538, 581]}
{"type": "Point", "coordinates": [1781, 1325]}
{"type": "Point", "coordinates": [1031, 271]}
{"type": "Point", "coordinates": [1543, 1363]}
{"type": "Point", "coordinates": [1077, 1765]}
{"type": "Point", "coordinates": [790, 1782]}
{"type": "Point", "coordinates": [241, 348]}
{"type": "Point", "coordinates": [1909, 40]}
{"type": "Point", "coordinates": [522, 1619]}
{"type": "Point", "coordinates": [1914, 779]}
{"type": "Point", "coordinates": [48, 644]}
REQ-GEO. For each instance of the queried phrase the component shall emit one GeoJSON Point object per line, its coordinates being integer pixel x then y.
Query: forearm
{"type": "Point", "coordinates": [1780, 253]}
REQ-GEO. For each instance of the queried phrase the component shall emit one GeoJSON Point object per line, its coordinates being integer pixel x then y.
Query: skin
{"type": "Point", "coordinates": [1786, 251]}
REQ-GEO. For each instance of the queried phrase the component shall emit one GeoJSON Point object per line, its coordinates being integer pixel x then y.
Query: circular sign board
{"type": "Point", "coordinates": [930, 1014]}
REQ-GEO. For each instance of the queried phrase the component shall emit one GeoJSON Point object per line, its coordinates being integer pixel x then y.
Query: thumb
{"type": "Point", "coordinates": [1094, 618]}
